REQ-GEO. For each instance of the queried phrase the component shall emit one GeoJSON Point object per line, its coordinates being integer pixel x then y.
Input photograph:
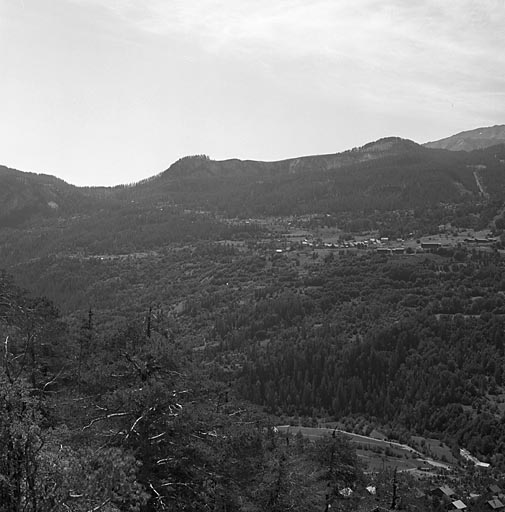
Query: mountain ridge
{"type": "Point", "coordinates": [27, 195]}
{"type": "Point", "coordinates": [469, 140]}
{"type": "Point", "coordinates": [24, 195]}
{"type": "Point", "coordinates": [389, 173]}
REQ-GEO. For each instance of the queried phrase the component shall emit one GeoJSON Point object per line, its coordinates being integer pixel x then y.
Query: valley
{"type": "Point", "coordinates": [176, 323]}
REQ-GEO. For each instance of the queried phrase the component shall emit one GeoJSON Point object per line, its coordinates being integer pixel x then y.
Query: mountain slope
{"type": "Point", "coordinates": [26, 195]}
{"type": "Point", "coordinates": [388, 174]}
{"type": "Point", "coordinates": [472, 139]}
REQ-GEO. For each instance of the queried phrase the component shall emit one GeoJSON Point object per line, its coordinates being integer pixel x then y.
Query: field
{"type": "Point", "coordinates": [377, 454]}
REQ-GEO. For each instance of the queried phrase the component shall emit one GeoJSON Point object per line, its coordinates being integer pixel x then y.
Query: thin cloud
{"type": "Point", "coordinates": [320, 25]}
{"type": "Point", "coordinates": [430, 38]}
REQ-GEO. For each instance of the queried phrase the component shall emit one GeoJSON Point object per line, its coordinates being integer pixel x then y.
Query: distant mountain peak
{"type": "Point", "coordinates": [387, 144]}
{"type": "Point", "coordinates": [479, 138]}
{"type": "Point", "coordinates": [382, 145]}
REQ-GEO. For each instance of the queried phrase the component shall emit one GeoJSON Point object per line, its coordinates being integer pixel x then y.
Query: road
{"type": "Point", "coordinates": [317, 433]}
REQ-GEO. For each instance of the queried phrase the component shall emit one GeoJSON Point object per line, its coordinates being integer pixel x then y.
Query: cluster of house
{"type": "Point", "coordinates": [494, 498]}
{"type": "Point", "coordinates": [469, 457]}
{"type": "Point", "coordinates": [370, 243]}
{"type": "Point", "coordinates": [382, 245]}
{"type": "Point", "coordinates": [448, 497]}
{"type": "Point", "coordinates": [435, 246]}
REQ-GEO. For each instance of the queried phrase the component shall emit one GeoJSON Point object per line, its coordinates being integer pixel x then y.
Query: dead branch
{"type": "Point", "coordinates": [52, 380]}
{"type": "Point", "coordinates": [107, 417]}
{"type": "Point", "coordinates": [6, 359]}
{"type": "Point", "coordinates": [240, 411]}
{"type": "Point", "coordinates": [98, 507]}
{"type": "Point", "coordinates": [132, 428]}
{"type": "Point", "coordinates": [169, 484]}
{"type": "Point", "coordinates": [157, 436]}
{"type": "Point", "coordinates": [159, 497]}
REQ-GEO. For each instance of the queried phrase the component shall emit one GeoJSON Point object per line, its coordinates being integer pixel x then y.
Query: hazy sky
{"type": "Point", "coordinates": [112, 91]}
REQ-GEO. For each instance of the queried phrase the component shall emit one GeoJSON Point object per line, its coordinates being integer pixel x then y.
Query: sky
{"type": "Point", "coordinates": [103, 92]}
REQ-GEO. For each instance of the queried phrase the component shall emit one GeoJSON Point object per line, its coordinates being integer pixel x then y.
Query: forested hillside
{"type": "Point", "coordinates": [26, 196]}
{"type": "Point", "coordinates": [129, 422]}
{"type": "Point", "coordinates": [156, 335]}
{"type": "Point", "coordinates": [387, 175]}
{"type": "Point", "coordinates": [417, 346]}
{"type": "Point", "coordinates": [390, 174]}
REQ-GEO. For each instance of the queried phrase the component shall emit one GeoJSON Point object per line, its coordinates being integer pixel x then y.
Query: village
{"type": "Point", "coordinates": [283, 235]}
{"type": "Point", "coordinates": [438, 479]}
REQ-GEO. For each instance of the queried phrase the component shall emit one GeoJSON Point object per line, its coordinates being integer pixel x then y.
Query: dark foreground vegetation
{"type": "Point", "coordinates": [130, 422]}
